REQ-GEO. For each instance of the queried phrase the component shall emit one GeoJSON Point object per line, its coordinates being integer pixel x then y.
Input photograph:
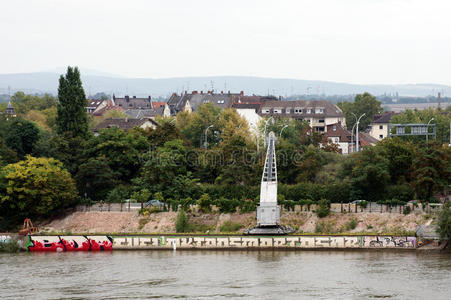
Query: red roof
{"type": "Point", "coordinates": [158, 104]}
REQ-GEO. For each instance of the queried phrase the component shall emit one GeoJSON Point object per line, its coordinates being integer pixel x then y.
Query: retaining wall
{"type": "Point", "coordinates": [100, 243]}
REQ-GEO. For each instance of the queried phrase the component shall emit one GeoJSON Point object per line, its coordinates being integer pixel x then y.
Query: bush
{"type": "Point", "coordinates": [247, 205]}
{"type": "Point", "coordinates": [444, 222]}
{"type": "Point", "coordinates": [227, 205]}
{"type": "Point", "coordinates": [181, 224]}
{"type": "Point", "coordinates": [10, 246]}
{"type": "Point", "coordinates": [363, 204]}
{"type": "Point", "coordinates": [204, 203]}
{"type": "Point", "coordinates": [352, 224]}
{"type": "Point", "coordinates": [402, 192]}
{"type": "Point", "coordinates": [230, 226]}
{"type": "Point", "coordinates": [323, 209]}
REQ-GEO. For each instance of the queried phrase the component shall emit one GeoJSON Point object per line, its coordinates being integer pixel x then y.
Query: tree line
{"type": "Point", "coordinates": [50, 161]}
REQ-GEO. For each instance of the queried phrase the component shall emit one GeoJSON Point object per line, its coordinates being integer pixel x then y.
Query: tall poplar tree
{"type": "Point", "coordinates": [72, 117]}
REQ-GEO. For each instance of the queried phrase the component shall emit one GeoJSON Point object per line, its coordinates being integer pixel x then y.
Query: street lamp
{"type": "Point", "coordinates": [427, 130]}
{"type": "Point", "coordinates": [206, 137]}
{"type": "Point", "coordinates": [285, 126]}
{"type": "Point", "coordinates": [357, 133]}
{"type": "Point", "coordinates": [352, 136]}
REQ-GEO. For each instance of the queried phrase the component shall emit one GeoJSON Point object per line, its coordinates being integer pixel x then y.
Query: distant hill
{"type": "Point", "coordinates": [41, 82]}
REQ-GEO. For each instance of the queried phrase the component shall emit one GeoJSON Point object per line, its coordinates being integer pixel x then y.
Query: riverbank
{"type": "Point", "coordinates": [304, 222]}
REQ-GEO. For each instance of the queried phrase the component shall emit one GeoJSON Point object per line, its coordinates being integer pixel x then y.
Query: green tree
{"type": "Point", "coordinates": [95, 178]}
{"type": "Point", "coordinates": [35, 187]}
{"type": "Point", "coordinates": [363, 103]}
{"type": "Point", "coordinates": [21, 136]}
{"type": "Point", "coordinates": [370, 175]}
{"type": "Point", "coordinates": [72, 116]}
{"type": "Point", "coordinates": [431, 170]}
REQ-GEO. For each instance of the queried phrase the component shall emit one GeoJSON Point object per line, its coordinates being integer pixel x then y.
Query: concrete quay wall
{"type": "Point", "coordinates": [67, 243]}
{"type": "Point", "coordinates": [262, 242]}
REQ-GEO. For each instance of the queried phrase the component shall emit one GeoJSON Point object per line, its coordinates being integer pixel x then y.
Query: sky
{"type": "Point", "coordinates": [354, 41]}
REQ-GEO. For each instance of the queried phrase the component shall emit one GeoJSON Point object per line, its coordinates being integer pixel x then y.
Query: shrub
{"type": "Point", "coordinates": [323, 209]}
{"type": "Point", "coordinates": [247, 205]}
{"type": "Point", "coordinates": [401, 192]}
{"type": "Point", "coordinates": [444, 222]}
{"type": "Point", "coordinates": [181, 224]}
{"type": "Point", "coordinates": [204, 203]}
{"type": "Point", "coordinates": [352, 224]}
{"type": "Point", "coordinates": [227, 205]}
{"type": "Point", "coordinates": [230, 226]}
{"type": "Point", "coordinates": [363, 204]}
{"type": "Point", "coordinates": [10, 246]}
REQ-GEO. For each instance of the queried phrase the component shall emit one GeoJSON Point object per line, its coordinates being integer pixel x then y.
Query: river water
{"type": "Point", "coordinates": [226, 274]}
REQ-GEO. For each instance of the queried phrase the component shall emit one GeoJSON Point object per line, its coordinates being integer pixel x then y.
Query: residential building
{"type": "Point", "coordinates": [319, 114]}
{"type": "Point", "coordinates": [125, 124]}
{"type": "Point", "coordinates": [133, 102]}
{"type": "Point", "coordinates": [249, 111]}
{"type": "Point", "coordinates": [151, 113]}
{"type": "Point", "coordinates": [379, 125]}
{"type": "Point", "coordinates": [338, 135]}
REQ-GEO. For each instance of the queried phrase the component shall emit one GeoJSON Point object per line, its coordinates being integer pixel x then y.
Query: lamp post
{"type": "Point", "coordinates": [206, 137]}
{"type": "Point", "coordinates": [427, 130]}
{"type": "Point", "coordinates": [352, 137]}
{"type": "Point", "coordinates": [285, 126]}
{"type": "Point", "coordinates": [357, 133]}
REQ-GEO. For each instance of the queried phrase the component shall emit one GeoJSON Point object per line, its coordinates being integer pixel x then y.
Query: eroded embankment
{"type": "Point", "coordinates": [304, 222]}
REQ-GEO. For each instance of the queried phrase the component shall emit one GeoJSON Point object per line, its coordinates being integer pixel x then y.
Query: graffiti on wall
{"type": "Point", "coordinates": [192, 242]}
{"type": "Point", "coordinates": [69, 243]}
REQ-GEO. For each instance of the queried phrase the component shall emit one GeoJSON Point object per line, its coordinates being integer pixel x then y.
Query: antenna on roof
{"type": "Point", "coordinates": [212, 83]}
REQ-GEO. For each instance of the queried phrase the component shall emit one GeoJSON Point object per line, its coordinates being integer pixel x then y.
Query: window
{"type": "Point", "coordinates": [381, 127]}
{"type": "Point", "coordinates": [220, 101]}
{"type": "Point", "coordinates": [277, 110]}
{"type": "Point", "coordinates": [381, 136]}
{"type": "Point", "coordinates": [319, 110]}
{"type": "Point", "coordinates": [206, 101]}
{"type": "Point", "coordinates": [287, 110]}
{"type": "Point", "coordinates": [334, 128]}
{"type": "Point", "coordinates": [265, 110]}
{"type": "Point", "coordinates": [321, 121]}
{"type": "Point", "coordinates": [309, 110]}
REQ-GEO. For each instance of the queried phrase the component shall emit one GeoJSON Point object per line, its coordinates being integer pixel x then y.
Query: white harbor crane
{"type": "Point", "coordinates": [268, 212]}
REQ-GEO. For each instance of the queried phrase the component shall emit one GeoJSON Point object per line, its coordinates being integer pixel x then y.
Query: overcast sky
{"type": "Point", "coordinates": [355, 41]}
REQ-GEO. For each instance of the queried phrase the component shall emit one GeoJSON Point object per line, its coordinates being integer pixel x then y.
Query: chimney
{"type": "Point", "coordinates": [201, 92]}
{"type": "Point", "coordinates": [174, 94]}
{"type": "Point", "coordinates": [222, 92]}
{"type": "Point", "coordinates": [127, 98]}
{"type": "Point", "coordinates": [134, 97]}
{"type": "Point", "coordinates": [194, 92]}
{"type": "Point", "coordinates": [242, 93]}
{"type": "Point", "coordinates": [228, 92]}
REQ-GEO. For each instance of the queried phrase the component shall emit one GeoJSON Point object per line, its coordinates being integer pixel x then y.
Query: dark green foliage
{"type": "Point", "coordinates": [95, 178]}
{"type": "Point", "coordinates": [431, 170]}
{"type": "Point", "coordinates": [363, 103]}
{"type": "Point", "coordinates": [181, 224]}
{"type": "Point", "coordinates": [72, 116]}
{"type": "Point", "coordinates": [21, 136]}
{"type": "Point", "coordinates": [204, 203]}
{"type": "Point", "coordinates": [230, 226]}
{"type": "Point", "coordinates": [323, 208]}
{"type": "Point", "coordinates": [24, 103]}
{"type": "Point", "coordinates": [227, 205]}
{"type": "Point", "coordinates": [402, 192]}
{"type": "Point", "coordinates": [10, 246]}
{"type": "Point", "coordinates": [352, 224]}
{"type": "Point", "coordinates": [444, 222]}
{"type": "Point", "coordinates": [406, 210]}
